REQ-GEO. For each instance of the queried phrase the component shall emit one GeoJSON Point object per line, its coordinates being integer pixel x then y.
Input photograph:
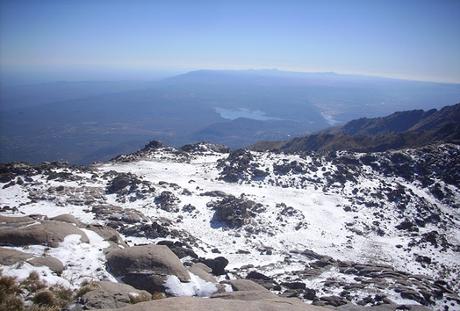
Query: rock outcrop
{"type": "Point", "coordinates": [203, 304]}
{"type": "Point", "coordinates": [146, 267]}
{"type": "Point", "coordinates": [40, 232]}
{"type": "Point", "coordinates": [109, 295]}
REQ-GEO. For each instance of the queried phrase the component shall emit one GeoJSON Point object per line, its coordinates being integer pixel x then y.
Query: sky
{"type": "Point", "coordinates": [411, 39]}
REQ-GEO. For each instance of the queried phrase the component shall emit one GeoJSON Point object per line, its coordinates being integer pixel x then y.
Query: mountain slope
{"type": "Point", "coordinates": [367, 229]}
{"type": "Point", "coordinates": [398, 130]}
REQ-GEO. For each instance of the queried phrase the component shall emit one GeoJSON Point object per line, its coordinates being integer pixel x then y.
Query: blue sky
{"type": "Point", "coordinates": [415, 39]}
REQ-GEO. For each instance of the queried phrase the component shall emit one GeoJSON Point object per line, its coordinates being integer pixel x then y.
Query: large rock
{"type": "Point", "coordinates": [246, 285]}
{"type": "Point", "coordinates": [53, 263]}
{"type": "Point", "coordinates": [111, 295]}
{"type": "Point", "coordinates": [217, 264]}
{"type": "Point", "coordinates": [203, 272]}
{"type": "Point", "coordinates": [11, 220]}
{"type": "Point", "coordinates": [246, 295]}
{"type": "Point", "coordinates": [108, 234]}
{"type": "Point", "coordinates": [9, 257]}
{"type": "Point", "coordinates": [204, 304]}
{"type": "Point", "coordinates": [43, 232]}
{"type": "Point", "coordinates": [146, 267]}
{"type": "Point", "coordinates": [67, 218]}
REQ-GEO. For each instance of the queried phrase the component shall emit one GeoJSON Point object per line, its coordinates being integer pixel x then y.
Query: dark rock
{"type": "Point", "coordinates": [233, 212]}
{"type": "Point", "coordinates": [330, 300]}
{"type": "Point", "coordinates": [167, 201]}
{"type": "Point", "coordinates": [217, 264]}
{"type": "Point", "coordinates": [179, 248]}
{"type": "Point", "coordinates": [294, 285]}
{"type": "Point", "coordinates": [309, 294]}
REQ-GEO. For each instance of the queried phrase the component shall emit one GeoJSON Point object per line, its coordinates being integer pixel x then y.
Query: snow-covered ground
{"type": "Point", "coordinates": [328, 217]}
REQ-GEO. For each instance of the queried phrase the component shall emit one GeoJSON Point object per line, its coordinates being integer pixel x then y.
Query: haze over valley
{"type": "Point", "coordinates": [89, 121]}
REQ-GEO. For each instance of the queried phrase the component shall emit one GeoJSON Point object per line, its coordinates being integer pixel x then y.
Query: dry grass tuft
{"type": "Point", "coordinates": [13, 294]}
{"type": "Point", "coordinates": [86, 286]}
{"type": "Point", "coordinates": [45, 298]}
{"type": "Point", "coordinates": [9, 294]}
{"type": "Point", "coordinates": [158, 295]}
{"type": "Point", "coordinates": [136, 297]}
{"type": "Point", "coordinates": [11, 303]}
{"type": "Point", "coordinates": [33, 283]}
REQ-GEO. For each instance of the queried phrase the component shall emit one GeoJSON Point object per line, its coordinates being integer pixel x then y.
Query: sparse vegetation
{"type": "Point", "coordinates": [33, 283]}
{"type": "Point", "coordinates": [45, 298]}
{"type": "Point", "coordinates": [9, 294]}
{"type": "Point", "coordinates": [86, 286]}
{"type": "Point", "coordinates": [158, 295]}
{"type": "Point", "coordinates": [14, 294]}
{"type": "Point", "coordinates": [136, 297]}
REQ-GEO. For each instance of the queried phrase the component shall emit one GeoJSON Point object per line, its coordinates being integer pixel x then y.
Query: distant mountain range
{"type": "Point", "coordinates": [399, 130]}
{"type": "Point", "coordinates": [82, 122]}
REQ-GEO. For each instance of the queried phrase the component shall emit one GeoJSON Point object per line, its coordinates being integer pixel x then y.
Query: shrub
{"type": "Point", "coordinates": [9, 294]}
{"type": "Point", "coordinates": [33, 283]}
{"type": "Point", "coordinates": [45, 298]}
{"type": "Point", "coordinates": [8, 285]}
{"type": "Point", "coordinates": [63, 294]}
{"type": "Point", "coordinates": [86, 286]}
{"type": "Point", "coordinates": [11, 302]}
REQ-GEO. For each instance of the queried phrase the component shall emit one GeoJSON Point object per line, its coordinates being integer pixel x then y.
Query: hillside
{"type": "Point", "coordinates": [356, 231]}
{"type": "Point", "coordinates": [399, 130]}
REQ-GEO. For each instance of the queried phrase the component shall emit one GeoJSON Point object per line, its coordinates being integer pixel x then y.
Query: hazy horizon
{"type": "Point", "coordinates": [230, 72]}
{"type": "Point", "coordinates": [22, 78]}
{"type": "Point", "coordinates": [141, 40]}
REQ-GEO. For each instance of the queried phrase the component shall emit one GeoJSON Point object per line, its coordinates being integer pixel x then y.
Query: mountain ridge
{"type": "Point", "coordinates": [399, 130]}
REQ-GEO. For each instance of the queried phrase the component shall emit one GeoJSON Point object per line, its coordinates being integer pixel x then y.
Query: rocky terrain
{"type": "Point", "coordinates": [162, 228]}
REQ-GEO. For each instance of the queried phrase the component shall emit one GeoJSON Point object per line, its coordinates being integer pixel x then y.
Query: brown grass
{"type": "Point", "coordinates": [33, 283]}
{"type": "Point", "coordinates": [158, 295]}
{"type": "Point", "coordinates": [86, 286]}
{"type": "Point", "coordinates": [9, 294]}
{"type": "Point", "coordinates": [136, 298]}
{"type": "Point", "coordinates": [11, 303]}
{"type": "Point", "coordinates": [13, 294]}
{"type": "Point", "coordinates": [45, 298]}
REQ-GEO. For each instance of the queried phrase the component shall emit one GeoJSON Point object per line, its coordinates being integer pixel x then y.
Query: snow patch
{"type": "Point", "coordinates": [196, 286]}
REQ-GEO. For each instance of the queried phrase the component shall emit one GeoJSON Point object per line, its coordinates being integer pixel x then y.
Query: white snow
{"type": "Point", "coordinates": [196, 286]}
{"type": "Point", "coordinates": [82, 261]}
{"type": "Point", "coordinates": [325, 228]}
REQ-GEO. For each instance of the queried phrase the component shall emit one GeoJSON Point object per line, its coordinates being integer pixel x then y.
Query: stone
{"type": "Point", "coordinates": [146, 267]}
{"type": "Point", "coordinates": [245, 285]}
{"type": "Point", "coordinates": [204, 304]}
{"type": "Point", "coordinates": [9, 256]}
{"type": "Point", "coordinates": [46, 232]}
{"type": "Point", "coordinates": [217, 264]}
{"type": "Point", "coordinates": [67, 218]}
{"type": "Point", "coordinates": [111, 295]}
{"type": "Point", "coordinates": [245, 295]}
{"type": "Point", "coordinates": [203, 272]}
{"type": "Point", "coordinates": [51, 262]}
